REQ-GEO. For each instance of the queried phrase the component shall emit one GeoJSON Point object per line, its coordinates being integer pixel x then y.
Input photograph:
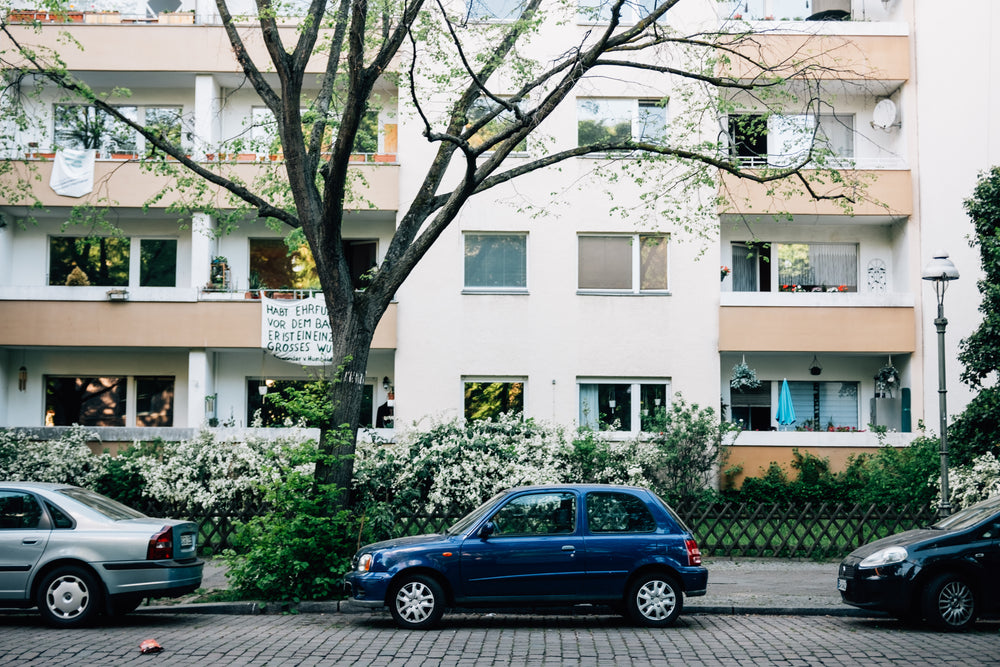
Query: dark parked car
{"type": "Point", "coordinates": [541, 545]}
{"type": "Point", "coordinates": [948, 574]}
{"type": "Point", "coordinates": [74, 553]}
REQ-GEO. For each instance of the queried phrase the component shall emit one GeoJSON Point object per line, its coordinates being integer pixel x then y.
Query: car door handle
{"type": "Point", "coordinates": [29, 540]}
{"type": "Point", "coordinates": [569, 547]}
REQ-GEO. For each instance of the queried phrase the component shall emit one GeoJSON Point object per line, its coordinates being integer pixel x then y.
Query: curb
{"type": "Point", "coordinates": [341, 607]}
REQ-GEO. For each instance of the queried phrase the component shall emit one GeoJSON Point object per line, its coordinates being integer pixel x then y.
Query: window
{"type": "Point", "coordinates": [260, 393]}
{"type": "Point", "coordinates": [624, 263]}
{"type": "Point", "coordinates": [484, 107]}
{"type": "Point", "coordinates": [19, 511]}
{"type": "Point", "coordinates": [361, 259]}
{"type": "Point", "coordinates": [106, 261]}
{"type": "Point", "coordinates": [599, 11]}
{"type": "Point", "coordinates": [801, 267]}
{"type": "Point", "coordinates": [786, 140]}
{"type": "Point", "coordinates": [489, 400]}
{"type": "Point", "coordinates": [495, 10]}
{"type": "Point", "coordinates": [616, 512]}
{"type": "Point", "coordinates": [821, 406]}
{"type": "Point", "coordinates": [167, 122]}
{"type": "Point", "coordinates": [606, 120]}
{"type": "Point", "coordinates": [797, 10]}
{"type": "Point", "coordinates": [818, 267]}
{"type": "Point", "coordinates": [279, 267]}
{"type": "Point", "coordinates": [552, 513]}
{"type": "Point", "coordinates": [627, 406]}
{"type": "Point", "coordinates": [752, 407]}
{"type": "Point", "coordinates": [496, 261]}
{"type": "Point", "coordinates": [85, 126]}
{"type": "Point", "coordinates": [154, 401]}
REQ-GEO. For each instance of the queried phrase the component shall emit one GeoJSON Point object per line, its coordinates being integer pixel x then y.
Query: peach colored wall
{"type": "Point", "coordinates": [230, 324]}
{"type": "Point", "coordinates": [887, 192]}
{"type": "Point", "coordinates": [755, 460]}
{"type": "Point", "coordinates": [857, 57]}
{"type": "Point", "coordinates": [808, 329]}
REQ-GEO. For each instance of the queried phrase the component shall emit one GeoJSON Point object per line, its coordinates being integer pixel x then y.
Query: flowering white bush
{"type": "Point", "coordinates": [967, 485]}
{"type": "Point", "coordinates": [67, 460]}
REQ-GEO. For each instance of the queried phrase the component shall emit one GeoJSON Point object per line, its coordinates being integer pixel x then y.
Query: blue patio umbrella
{"type": "Point", "coordinates": [786, 413]}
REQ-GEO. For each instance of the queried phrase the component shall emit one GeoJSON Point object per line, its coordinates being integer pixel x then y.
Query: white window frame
{"type": "Point", "coordinates": [501, 379]}
{"type": "Point", "coordinates": [637, 104]}
{"type": "Point", "coordinates": [636, 248]}
{"type": "Point", "coordinates": [635, 407]}
{"type": "Point", "coordinates": [487, 14]}
{"type": "Point", "coordinates": [790, 137]}
{"type": "Point", "coordinates": [628, 16]}
{"type": "Point", "coordinates": [467, 289]}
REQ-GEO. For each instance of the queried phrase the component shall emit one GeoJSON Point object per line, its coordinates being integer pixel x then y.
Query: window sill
{"type": "Point", "coordinates": [581, 292]}
{"type": "Point", "coordinates": [503, 291]}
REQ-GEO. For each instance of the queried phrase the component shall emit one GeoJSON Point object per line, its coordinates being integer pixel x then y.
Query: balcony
{"type": "Point", "coordinates": [125, 183]}
{"type": "Point", "coordinates": [812, 323]}
{"type": "Point", "coordinates": [179, 324]}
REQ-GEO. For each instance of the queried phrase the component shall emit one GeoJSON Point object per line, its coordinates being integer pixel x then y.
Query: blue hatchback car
{"type": "Point", "coordinates": [539, 545]}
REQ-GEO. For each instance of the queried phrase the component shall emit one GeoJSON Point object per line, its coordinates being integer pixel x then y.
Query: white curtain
{"type": "Point", "coordinates": [589, 410]}
{"type": "Point", "coordinates": [834, 264]}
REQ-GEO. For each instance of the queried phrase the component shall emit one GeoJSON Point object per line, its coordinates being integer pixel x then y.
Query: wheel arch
{"type": "Point", "coordinates": [437, 576]}
{"type": "Point", "coordinates": [653, 568]}
{"type": "Point", "coordinates": [44, 570]}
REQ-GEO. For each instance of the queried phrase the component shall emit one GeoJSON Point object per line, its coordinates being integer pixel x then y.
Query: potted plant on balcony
{"type": "Point", "coordinates": [255, 285]}
{"type": "Point", "coordinates": [744, 377]}
{"type": "Point", "coordinates": [886, 380]}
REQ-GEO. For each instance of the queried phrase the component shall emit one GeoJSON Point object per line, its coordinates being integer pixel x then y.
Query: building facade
{"type": "Point", "coordinates": [542, 297]}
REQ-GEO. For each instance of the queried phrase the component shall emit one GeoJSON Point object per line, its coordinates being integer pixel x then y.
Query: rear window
{"type": "Point", "coordinates": [112, 509]}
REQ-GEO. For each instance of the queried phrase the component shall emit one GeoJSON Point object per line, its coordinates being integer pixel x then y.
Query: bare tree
{"type": "Point", "coordinates": [437, 54]}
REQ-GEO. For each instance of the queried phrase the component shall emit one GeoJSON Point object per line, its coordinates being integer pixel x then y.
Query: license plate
{"type": "Point", "coordinates": [841, 584]}
{"type": "Point", "coordinates": [187, 540]}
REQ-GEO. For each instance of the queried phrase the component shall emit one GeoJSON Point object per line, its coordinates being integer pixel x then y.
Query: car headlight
{"type": "Point", "coordinates": [882, 557]}
{"type": "Point", "coordinates": [364, 563]}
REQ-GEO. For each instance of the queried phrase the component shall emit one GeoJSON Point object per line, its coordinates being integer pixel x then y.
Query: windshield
{"type": "Point", "coordinates": [970, 516]}
{"type": "Point", "coordinates": [463, 524]}
{"type": "Point", "coordinates": [112, 509]}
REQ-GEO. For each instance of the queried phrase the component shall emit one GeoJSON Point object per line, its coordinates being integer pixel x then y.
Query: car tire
{"type": "Point", "coordinates": [949, 602]}
{"type": "Point", "coordinates": [654, 600]}
{"type": "Point", "coordinates": [417, 603]}
{"type": "Point", "coordinates": [68, 597]}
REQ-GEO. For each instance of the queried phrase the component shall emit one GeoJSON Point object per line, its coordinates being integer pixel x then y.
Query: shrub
{"type": "Point", "coordinates": [67, 460]}
{"type": "Point", "coordinates": [967, 485]}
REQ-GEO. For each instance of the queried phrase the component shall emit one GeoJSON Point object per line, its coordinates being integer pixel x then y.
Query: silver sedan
{"type": "Point", "coordinates": [74, 554]}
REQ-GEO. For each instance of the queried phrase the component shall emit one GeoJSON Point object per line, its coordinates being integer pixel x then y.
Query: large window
{"type": "Point", "coordinates": [751, 408]}
{"type": "Point", "coordinates": [822, 406]}
{"type": "Point", "coordinates": [108, 261]}
{"type": "Point", "coordinates": [85, 126]}
{"type": "Point", "coordinates": [623, 405]}
{"type": "Point", "coordinates": [801, 267]}
{"type": "Point", "coordinates": [495, 10]}
{"type": "Point", "coordinates": [496, 261]}
{"type": "Point", "coordinates": [104, 401]}
{"type": "Point", "coordinates": [279, 267]}
{"type": "Point", "coordinates": [260, 402]}
{"type": "Point", "coordinates": [785, 140]}
{"type": "Point", "coordinates": [599, 11]}
{"type": "Point", "coordinates": [501, 119]}
{"type": "Point", "coordinates": [488, 399]}
{"type": "Point", "coordinates": [611, 120]}
{"type": "Point", "coordinates": [263, 135]}
{"type": "Point", "coordinates": [623, 262]}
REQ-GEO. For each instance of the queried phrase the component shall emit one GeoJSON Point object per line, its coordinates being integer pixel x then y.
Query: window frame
{"type": "Point", "coordinates": [636, 265]}
{"type": "Point", "coordinates": [489, 17]}
{"type": "Point", "coordinates": [636, 122]}
{"type": "Point", "coordinates": [490, 380]}
{"type": "Point", "coordinates": [132, 267]}
{"type": "Point", "coordinates": [635, 388]}
{"type": "Point", "coordinates": [130, 389]}
{"type": "Point", "coordinates": [629, 16]}
{"type": "Point", "coordinates": [486, 289]}
{"type": "Point", "coordinates": [811, 137]}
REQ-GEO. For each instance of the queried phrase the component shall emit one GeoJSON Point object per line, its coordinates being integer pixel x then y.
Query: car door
{"type": "Point", "coordinates": [535, 550]}
{"type": "Point", "coordinates": [24, 533]}
{"type": "Point", "coordinates": [620, 533]}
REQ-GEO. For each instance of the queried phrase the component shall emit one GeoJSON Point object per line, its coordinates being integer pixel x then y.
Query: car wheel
{"type": "Point", "coordinates": [654, 600]}
{"type": "Point", "coordinates": [68, 597]}
{"type": "Point", "coordinates": [417, 603]}
{"type": "Point", "coordinates": [949, 602]}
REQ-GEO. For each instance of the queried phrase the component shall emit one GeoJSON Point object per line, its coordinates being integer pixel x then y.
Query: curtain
{"type": "Point", "coordinates": [834, 264]}
{"type": "Point", "coordinates": [744, 268]}
{"type": "Point", "coordinates": [589, 410]}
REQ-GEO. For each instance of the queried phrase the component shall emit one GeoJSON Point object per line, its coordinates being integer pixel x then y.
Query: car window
{"type": "Point", "coordinates": [549, 513]}
{"type": "Point", "coordinates": [112, 509]}
{"type": "Point", "coordinates": [970, 516]}
{"type": "Point", "coordinates": [615, 512]}
{"type": "Point", "coordinates": [19, 511]}
{"type": "Point", "coordinates": [59, 518]}
{"type": "Point", "coordinates": [463, 524]}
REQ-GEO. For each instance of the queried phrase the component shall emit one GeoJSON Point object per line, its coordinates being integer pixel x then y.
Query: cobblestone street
{"type": "Point", "coordinates": [479, 639]}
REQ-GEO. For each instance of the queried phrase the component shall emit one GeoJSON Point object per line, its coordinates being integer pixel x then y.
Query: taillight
{"type": "Point", "coordinates": [694, 555]}
{"type": "Point", "coordinates": [160, 545]}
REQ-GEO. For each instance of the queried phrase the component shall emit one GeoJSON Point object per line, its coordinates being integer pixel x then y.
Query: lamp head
{"type": "Point", "coordinates": [940, 268]}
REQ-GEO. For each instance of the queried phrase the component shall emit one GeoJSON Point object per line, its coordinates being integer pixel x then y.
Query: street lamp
{"type": "Point", "coordinates": [941, 271]}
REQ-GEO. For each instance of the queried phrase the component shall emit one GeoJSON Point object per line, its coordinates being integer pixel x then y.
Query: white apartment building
{"type": "Point", "coordinates": [581, 316]}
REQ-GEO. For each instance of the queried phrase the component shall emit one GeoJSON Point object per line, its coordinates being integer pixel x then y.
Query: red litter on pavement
{"type": "Point", "coordinates": [150, 646]}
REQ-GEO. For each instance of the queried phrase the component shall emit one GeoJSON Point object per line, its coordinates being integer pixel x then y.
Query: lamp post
{"type": "Point", "coordinates": [941, 271]}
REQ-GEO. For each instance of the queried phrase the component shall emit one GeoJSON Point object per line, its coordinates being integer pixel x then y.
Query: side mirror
{"type": "Point", "coordinates": [488, 529]}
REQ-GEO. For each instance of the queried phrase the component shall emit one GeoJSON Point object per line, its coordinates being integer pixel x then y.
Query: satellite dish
{"type": "Point", "coordinates": [884, 115]}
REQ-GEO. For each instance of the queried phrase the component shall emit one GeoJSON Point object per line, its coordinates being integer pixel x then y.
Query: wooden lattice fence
{"type": "Point", "coordinates": [809, 530]}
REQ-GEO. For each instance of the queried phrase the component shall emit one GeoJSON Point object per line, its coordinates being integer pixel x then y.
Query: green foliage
{"type": "Point", "coordinates": [977, 430]}
{"type": "Point", "coordinates": [980, 352]}
{"type": "Point", "coordinates": [300, 548]}
{"type": "Point", "coordinates": [66, 460]}
{"type": "Point", "coordinates": [122, 477]}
